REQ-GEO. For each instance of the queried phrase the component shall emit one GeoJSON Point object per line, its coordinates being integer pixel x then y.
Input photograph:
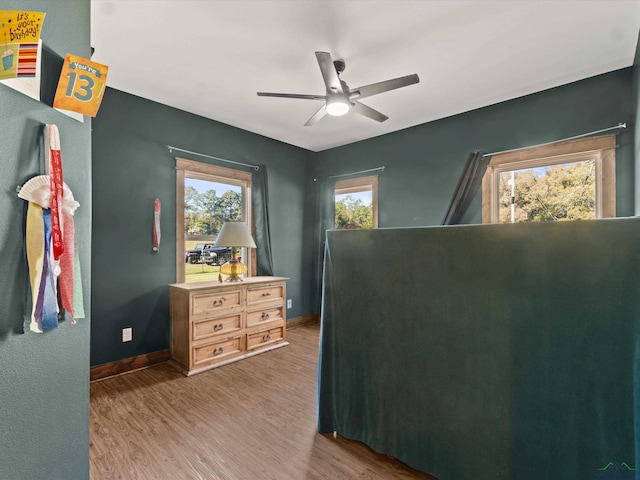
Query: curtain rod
{"type": "Point", "coordinates": [171, 149]}
{"type": "Point", "coordinates": [355, 173]}
{"type": "Point", "coordinates": [617, 127]}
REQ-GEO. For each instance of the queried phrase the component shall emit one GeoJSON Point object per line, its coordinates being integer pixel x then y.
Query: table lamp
{"type": "Point", "coordinates": [234, 235]}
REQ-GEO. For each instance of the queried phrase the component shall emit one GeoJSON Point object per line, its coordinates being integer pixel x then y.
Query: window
{"type": "Point", "coordinates": [356, 203]}
{"type": "Point", "coordinates": [563, 181]}
{"type": "Point", "coordinates": [206, 197]}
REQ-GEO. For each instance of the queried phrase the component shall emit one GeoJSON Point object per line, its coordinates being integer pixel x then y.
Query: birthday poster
{"type": "Point", "coordinates": [19, 34]}
{"type": "Point", "coordinates": [81, 85]}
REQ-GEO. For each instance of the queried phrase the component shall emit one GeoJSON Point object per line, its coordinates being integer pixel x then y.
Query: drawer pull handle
{"type": "Point", "coordinates": [217, 303]}
{"type": "Point", "coordinates": [266, 338]}
{"type": "Point", "coordinates": [265, 316]}
{"type": "Point", "coordinates": [266, 294]}
{"type": "Point", "coordinates": [217, 327]}
{"type": "Point", "coordinates": [217, 351]}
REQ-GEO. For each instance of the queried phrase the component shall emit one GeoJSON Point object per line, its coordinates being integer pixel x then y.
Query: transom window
{"type": "Point", "coordinates": [356, 203]}
{"type": "Point", "coordinates": [571, 180]}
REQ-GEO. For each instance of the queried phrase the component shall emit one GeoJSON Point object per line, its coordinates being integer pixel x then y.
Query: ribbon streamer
{"type": "Point", "coordinates": [49, 238]}
{"type": "Point", "coordinates": [156, 225]}
{"type": "Point", "coordinates": [56, 187]}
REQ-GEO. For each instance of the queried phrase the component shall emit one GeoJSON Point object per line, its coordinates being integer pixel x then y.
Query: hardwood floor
{"type": "Point", "coordinates": [254, 419]}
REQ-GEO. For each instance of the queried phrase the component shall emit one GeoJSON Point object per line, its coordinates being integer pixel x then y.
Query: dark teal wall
{"type": "Point", "coordinates": [131, 167]}
{"type": "Point", "coordinates": [424, 162]}
{"type": "Point", "coordinates": [636, 108]}
{"type": "Point", "coordinates": [44, 378]}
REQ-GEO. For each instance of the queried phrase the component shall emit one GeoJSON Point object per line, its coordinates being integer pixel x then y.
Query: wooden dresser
{"type": "Point", "coordinates": [213, 323]}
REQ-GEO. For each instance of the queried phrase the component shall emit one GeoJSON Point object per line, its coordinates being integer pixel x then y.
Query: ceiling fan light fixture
{"type": "Point", "coordinates": [337, 107]}
{"type": "Point", "coordinates": [339, 98]}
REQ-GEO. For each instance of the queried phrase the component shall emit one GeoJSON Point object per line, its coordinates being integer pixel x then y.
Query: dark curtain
{"type": "Point", "coordinates": [260, 195]}
{"type": "Point", "coordinates": [467, 187]}
{"type": "Point", "coordinates": [325, 213]}
{"type": "Point", "coordinates": [514, 353]}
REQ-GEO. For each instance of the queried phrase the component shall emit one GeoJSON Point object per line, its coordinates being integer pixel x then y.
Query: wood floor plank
{"type": "Point", "coordinates": [254, 419]}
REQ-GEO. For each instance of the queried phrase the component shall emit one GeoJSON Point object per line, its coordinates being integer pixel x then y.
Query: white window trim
{"type": "Point", "coordinates": [602, 149]}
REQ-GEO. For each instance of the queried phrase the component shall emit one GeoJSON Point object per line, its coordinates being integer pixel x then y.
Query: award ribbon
{"type": "Point", "coordinates": [56, 187]}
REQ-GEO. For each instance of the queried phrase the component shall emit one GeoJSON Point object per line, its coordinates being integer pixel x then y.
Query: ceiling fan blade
{"type": "Point", "coordinates": [362, 109]}
{"type": "Point", "coordinates": [292, 95]}
{"type": "Point", "coordinates": [375, 88]}
{"type": "Point", "coordinates": [329, 74]}
{"type": "Point", "coordinates": [316, 116]}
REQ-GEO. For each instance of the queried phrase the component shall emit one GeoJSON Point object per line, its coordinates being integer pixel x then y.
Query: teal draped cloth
{"type": "Point", "coordinates": [486, 352]}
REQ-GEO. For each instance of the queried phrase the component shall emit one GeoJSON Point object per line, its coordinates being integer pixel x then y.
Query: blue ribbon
{"type": "Point", "coordinates": [50, 298]}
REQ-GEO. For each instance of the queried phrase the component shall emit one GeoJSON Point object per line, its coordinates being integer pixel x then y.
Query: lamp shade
{"type": "Point", "coordinates": [234, 234]}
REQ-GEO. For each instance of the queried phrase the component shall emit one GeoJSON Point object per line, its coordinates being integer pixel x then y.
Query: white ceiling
{"type": "Point", "coordinates": [210, 57]}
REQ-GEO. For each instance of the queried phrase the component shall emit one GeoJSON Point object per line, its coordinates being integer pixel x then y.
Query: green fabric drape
{"type": "Point", "coordinates": [325, 214]}
{"type": "Point", "coordinates": [467, 188]}
{"type": "Point", "coordinates": [260, 197]}
{"type": "Point", "coordinates": [495, 352]}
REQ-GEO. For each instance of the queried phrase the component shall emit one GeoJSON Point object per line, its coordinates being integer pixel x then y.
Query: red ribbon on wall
{"type": "Point", "coordinates": [56, 187]}
{"type": "Point", "coordinates": [156, 225]}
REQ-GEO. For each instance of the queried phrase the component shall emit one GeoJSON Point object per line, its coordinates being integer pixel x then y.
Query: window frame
{"type": "Point", "coordinates": [214, 173]}
{"type": "Point", "coordinates": [602, 148]}
{"type": "Point", "coordinates": [360, 184]}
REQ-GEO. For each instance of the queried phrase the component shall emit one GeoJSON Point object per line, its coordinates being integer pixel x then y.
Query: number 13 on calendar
{"type": "Point", "coordinates": [81, 85]}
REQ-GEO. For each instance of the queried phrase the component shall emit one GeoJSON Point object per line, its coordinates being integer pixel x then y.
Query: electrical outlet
{"type": "Point", "coordinates": [288, 303]}
{"type": "Point", "coordinates": [127, 334]}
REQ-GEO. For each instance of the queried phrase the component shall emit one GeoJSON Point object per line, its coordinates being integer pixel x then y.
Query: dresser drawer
{"type": "Point", "coordinates": [266, 337]}
{"type": "Point", "coordinates": [217, 350]}
{"type": "Point", "coordinates": [207, 304]}
{"type": "Point", "coordinates": [218, 326]}
{"type": "Point", "coordinates": [266, 294]}
{"type": "Point", "coordinates": [267, 314]}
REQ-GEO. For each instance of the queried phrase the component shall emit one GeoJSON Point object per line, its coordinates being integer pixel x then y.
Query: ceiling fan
{"type": "Point", "coordinates": [339, 99]}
